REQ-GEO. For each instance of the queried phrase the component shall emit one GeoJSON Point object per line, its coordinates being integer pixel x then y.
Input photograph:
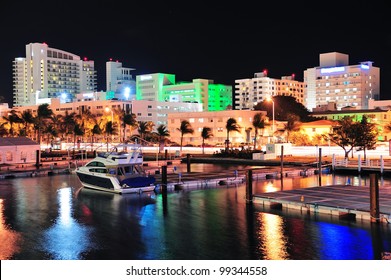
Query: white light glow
{"type": "Point", "coordinates": [332, 70]}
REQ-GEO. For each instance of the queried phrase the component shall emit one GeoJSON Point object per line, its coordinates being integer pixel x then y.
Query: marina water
{"type": "Point", "coordinates": [52, 218]}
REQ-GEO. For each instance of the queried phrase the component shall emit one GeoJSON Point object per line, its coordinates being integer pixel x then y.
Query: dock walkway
{"type": "Point", "coordinates": [344, 201]}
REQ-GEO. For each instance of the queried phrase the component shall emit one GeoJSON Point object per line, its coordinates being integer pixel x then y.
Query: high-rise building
{"type": "Point", "coordinates": [335, 81]}
{"type": "Point", "coordinates": [120, 81]}
{"type": "Point", "coordinates": [249, 92]}
{"type": "Point", "coordinates": [162, 87]}
{"type": "Point", "coordinates": [50, 73]}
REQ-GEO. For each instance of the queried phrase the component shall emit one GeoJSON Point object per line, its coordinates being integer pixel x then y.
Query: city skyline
{"type": "Point", "coordinates": [221, 44]}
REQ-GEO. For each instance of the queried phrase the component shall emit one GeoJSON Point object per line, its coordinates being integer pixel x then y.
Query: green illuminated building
{"type": "Point", "coordinates": [162, 87]}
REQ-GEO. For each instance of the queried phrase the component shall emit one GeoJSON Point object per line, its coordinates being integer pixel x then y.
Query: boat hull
{"type": "Point", "coordinates": [109, 184]}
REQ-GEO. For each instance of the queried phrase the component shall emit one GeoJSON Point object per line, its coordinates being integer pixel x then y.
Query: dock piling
{"type": "Point", "coordinates": [188, 163]}
{"type": "Point", "coordinates": [374, 198]}
{"type": "Point", "coordinates": [320, 167]}
{"type": "Point", "coordinates": [249, 186]}
{"type": "Point", "coordinates": [282, 160]}
{"type": "Point", "coordinates": [164, 178]}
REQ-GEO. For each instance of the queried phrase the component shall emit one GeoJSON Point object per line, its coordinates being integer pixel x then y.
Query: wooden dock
{"type": "Point", "coordinates": [344, 201]}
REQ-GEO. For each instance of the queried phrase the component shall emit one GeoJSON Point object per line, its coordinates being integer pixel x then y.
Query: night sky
{"type": "Point", "coordinates": [200, 40]}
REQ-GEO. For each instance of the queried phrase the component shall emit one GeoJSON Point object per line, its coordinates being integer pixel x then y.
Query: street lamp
{"type": "Point", "coordinates": [107, 109]}
{"type": "Point", "coordinates": [273, 128]}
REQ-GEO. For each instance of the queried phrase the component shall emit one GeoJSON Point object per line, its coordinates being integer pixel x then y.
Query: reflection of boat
{"type": "Point", "coordinates": [119, 171]}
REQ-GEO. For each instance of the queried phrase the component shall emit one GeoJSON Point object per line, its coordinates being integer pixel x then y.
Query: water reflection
{"type": "Point", "coordinates": [271, 236]}
{"type": "Point", "coordinates": [66, 239]}
{"type": "Point", "coordinates": [10, 240]}
{"type": "Point", "coordinates": [340, 244]}
{"type": "Point", "coordinates": [51, 218]}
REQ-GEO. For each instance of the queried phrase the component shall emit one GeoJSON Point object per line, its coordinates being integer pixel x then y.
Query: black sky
{"type": "Point", "coordinates": [200, 40]}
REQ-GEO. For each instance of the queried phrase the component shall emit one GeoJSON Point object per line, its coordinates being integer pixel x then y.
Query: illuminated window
{"type": "Point", "coordinates": [191, 120]}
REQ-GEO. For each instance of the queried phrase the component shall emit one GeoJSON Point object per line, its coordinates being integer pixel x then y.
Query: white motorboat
{"type": "Point", "coordinates": [119, 171]}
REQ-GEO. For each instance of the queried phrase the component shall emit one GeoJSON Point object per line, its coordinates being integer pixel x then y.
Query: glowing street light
{"type": "Point", "coordinates": [107, 109]}
{"type": "Point", "coordinates": [273, 128]}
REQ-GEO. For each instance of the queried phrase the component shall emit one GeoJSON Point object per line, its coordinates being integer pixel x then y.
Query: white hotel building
{"type": "Point", "coordinates": [50, 73]}
{"type": "Point", "coordinates": [335, 81]}
{"type": "Point", "coordinates": [249, 92]}
{"type": "Point", "coordinates": [120, 82]}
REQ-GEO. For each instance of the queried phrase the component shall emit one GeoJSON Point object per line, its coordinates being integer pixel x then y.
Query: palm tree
{"type": "Point", "coordinates": [11, 119]}
{"type": "Point", "coordinates": [232, 125]}
{"type": "Point", "coordinates": [3, 130]}
{"type": "Point", "coordinates": [96, 130]}
{"type": "Point", "coordinates": [162, 133]}
{"type": "Point", "coordinates": [293, 124]}
{"type": "Point", "coordinates": [43, 113]}
{"type": "Point", "coordinates": [109, 130]}
{"type": "Point", "coordinates": [206, 133]}
{"type": "Point", "coordinates": [78, 130]}
{"type": "Point", "coordinates": [144, 128]}
{"type": "Point", "coordinates": [27, 120]}
{"type": "Point", "coordinates": [131, 120]}
{"type": "Point", "coordinates": [86, 120]}
{"type": "Point", "coordinates": [69, 121]}
{"type": "Point", "coordinates": [259, 122]}
{"type": "Point", "coordinates": [185, 128]}
{"type": "Point", "coordinates": [51, 132]}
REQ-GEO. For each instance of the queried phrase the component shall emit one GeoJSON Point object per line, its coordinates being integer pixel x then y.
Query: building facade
{"type": "Point", "coordinates": [381, 117]}
{"type": "Point", "coordinates": [217, 120]}
{"type": "Point", "coordinates": [104, 110]}
{"type": "Point", "coordinates": [120, 81]}
{"type": "Point", "coordinates": [163, 87]}
{"type": "Point", "coordinates": [334, 80]}
{"type": "Point", "coordinates": [249, 92]}
{"type": "Point", "coordinates": [48, 73]}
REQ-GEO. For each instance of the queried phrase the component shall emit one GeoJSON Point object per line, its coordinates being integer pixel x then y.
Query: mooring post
{"type": "Point", "coordinates": [381, 164]}
{"type": "Point", "coordinates": [282, 161]}
{"type": "Point", "coordinates": [359, 163]}
{"type": "Point", "coordinates": [374, 198]}
{"type": "Point", "coordinates": [38, 158]}
{"type": "Point", "coordinates": [249, 186]}
{"type": "Point", "coordinates": [164, 178]}
{"type": "Point", "coordinates": [320, 166]}
{"type": "Point", "coordinates": [188, 163]}
{"type": "Point", "coordinates": [165, 154]}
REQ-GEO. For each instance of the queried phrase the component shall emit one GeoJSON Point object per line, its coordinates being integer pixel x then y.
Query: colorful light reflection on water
{"type": "Point", "coordinates": [51, 218]}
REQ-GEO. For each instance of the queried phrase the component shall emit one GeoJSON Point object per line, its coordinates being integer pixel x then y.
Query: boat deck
{"type": "Point", "coordinates": [341, 200]}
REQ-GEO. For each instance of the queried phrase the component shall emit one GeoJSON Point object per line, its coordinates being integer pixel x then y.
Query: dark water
{"type": "Point", "coordinates": [52, 218]}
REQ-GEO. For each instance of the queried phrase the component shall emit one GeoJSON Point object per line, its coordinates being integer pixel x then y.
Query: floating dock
{"type": "Point", "coordinates": [345, 201]}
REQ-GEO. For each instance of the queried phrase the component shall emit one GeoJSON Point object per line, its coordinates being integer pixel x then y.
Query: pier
{"type": "Point", "coordinates": [345, 201]}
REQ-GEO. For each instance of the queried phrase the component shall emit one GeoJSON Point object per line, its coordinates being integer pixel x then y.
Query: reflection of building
{"type": "Point", "coordinates": [249, 92]}
{"type": "Point", "coordinates": [334, 80]}
{"type": "Point", "coordinates": [48, 73]}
